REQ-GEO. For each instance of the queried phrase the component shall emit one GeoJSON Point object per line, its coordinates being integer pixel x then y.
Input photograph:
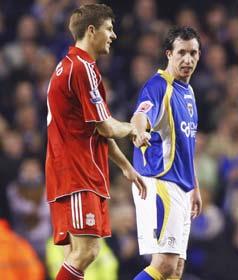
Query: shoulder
{"type": "Point", "coordinates": [79, 65]}
{"type": "Point", "coordinates": [75, 61]}
{"type": "Point", "coordinates": [156, 82]}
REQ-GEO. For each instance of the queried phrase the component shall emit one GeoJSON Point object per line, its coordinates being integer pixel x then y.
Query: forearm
{"type": "Point", "coordinates": [115, 129]}
{"type": "Point", "coordinates": [196, 182]}
{"type": "Point", "coordinates": [195, 175]}
{"type": "Point", "coordinates": [140, 122]}
{"type": "Point", "coordinates": [120, 129]}
{"type": "Point", "coordinates": [117, 156]}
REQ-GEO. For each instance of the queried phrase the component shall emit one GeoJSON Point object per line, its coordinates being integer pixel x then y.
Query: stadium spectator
{"type": "Point", "coordinates": [18, 259]}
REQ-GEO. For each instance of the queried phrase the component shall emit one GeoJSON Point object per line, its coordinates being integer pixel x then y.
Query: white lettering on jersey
{"type": "Point", "coordinates": [59, 69]}
{"type": "Point", "coordinates": [188, 96]}
{"type": "Point", "coordinates": [189, 129]}
{"type": "Point", "coordinates": [49, 116]}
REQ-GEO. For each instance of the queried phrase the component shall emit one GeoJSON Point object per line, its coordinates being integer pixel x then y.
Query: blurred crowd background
{"type": "Point", "coordinates": [34, 37]}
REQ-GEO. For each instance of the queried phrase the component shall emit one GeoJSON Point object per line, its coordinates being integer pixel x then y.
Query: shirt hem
{"type": "Point", "coordinates": [81, 190]}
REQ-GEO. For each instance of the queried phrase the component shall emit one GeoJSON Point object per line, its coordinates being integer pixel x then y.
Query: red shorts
{"type": "Point", "coordinates": [82, 213]}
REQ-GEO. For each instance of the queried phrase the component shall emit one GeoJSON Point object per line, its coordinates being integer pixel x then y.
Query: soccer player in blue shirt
{"type": "Point", "coordinates": [166, 118]}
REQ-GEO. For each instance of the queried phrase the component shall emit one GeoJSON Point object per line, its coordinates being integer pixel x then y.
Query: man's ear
{"type": "Point", "coordinates": [168, 53]}
{"type": "Point", "coordinates": [91, 30]}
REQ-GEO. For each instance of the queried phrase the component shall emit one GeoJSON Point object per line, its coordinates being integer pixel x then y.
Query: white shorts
{"type": "Point", "coordinates": [163, 219]}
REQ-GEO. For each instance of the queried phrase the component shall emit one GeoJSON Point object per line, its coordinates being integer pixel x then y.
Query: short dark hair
{"type": "Point", "coordinates": [185, 33]}
{"type": "Point", "coordinates": [90, 14]}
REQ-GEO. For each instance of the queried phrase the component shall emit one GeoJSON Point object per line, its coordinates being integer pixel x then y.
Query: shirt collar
{"type": "Point", "coordinates": [183, 84]}
{"type": "Point", "coordinates": [83, 54]}
{"type": "Point", "coordinates": [169, 78]}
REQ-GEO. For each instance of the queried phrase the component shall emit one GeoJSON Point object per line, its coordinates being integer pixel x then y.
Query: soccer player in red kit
{"type": "Point", "coordinates": [80, 139]}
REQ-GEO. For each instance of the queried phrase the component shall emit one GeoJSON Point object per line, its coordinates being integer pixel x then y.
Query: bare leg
{"type": "Point", "coordinates": [82, 251]}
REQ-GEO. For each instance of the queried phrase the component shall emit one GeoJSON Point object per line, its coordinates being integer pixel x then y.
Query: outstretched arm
{"type": "Point", "coordinates": [140, 122]}
{"type": "Point", "coordinates": [129, 172]}
{"type": "Point", "coordinates": [112, 128]}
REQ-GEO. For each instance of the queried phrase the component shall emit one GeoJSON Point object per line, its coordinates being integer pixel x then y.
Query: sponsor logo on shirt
{"type": "Point", "coordinates": [145, 106]}
{"type": "Point", "coordinates": [188, 128]}
{"type": "Point", "coordinates": [90, 219]}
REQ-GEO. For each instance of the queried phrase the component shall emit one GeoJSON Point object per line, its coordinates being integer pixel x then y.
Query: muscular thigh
{"type": "Point", "coordinates": [83, 243]}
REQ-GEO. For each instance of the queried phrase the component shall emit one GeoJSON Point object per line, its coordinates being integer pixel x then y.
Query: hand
{"type": "Point", "coordinates": [131, 174]}
{"type": "Point", "coordinates": [196, 203]}
{"type": "Point", "coordinates": [142, 139]}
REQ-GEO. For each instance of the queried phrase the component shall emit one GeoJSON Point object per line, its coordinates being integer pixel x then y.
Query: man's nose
{"type": "Point", "coordinates": [187, 58]}
{"type": "Point", "coordinates": [113, 36]}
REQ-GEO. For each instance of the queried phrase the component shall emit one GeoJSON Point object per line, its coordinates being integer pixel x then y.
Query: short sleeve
{"type": "Point", "coordinates": [88, 87]}
{"type": "Point", "coordinates": [150, 99]}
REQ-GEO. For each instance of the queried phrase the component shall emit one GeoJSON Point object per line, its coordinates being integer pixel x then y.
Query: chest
{"type": "Point", "coordinates": [184, 106]}
{"type": "Point", "coordinates": [184, 113]}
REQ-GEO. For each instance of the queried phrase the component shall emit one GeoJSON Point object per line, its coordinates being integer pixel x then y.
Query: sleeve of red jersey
{"type": "Point", "coordinates": [86, 85]}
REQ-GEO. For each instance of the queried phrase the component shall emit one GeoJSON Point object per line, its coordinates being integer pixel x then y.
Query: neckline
{"type": "Point", "coordinates": [82, 53]}
{"type": "Point", "coordinates": [182, 84]}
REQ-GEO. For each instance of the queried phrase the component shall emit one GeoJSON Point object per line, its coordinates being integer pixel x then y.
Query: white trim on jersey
{"type": "Point", "coordinates": [80, 210]}
{"type": "Point", "coordinates": [72, 210]}
{"type": "Point", "coordinates": [81, 190]}
{"type": "Point", "coordinates": [100, 171]}
{"type": "Point", "coordinates": [101, 110]}
{"type": "Point", "coordinates": [70, 72]}
{"type": "Point", "coordinates": [76, 209]}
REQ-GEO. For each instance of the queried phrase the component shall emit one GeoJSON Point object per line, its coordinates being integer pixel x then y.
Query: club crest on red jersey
{"type": "Point", "coordinates": [90, 219]}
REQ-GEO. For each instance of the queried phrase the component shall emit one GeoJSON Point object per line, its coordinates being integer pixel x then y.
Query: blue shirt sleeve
{"type": "Point", "coordinates": [150, 98]}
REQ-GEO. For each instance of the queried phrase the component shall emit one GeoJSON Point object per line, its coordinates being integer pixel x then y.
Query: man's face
{"type": "Point", "coordinates": [104, 36]}
{"type": "Point", "coordinates": [183, 59]}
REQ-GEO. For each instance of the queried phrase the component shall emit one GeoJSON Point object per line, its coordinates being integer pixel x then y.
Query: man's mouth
{"type": "Point", "coordinates": [187, 68]}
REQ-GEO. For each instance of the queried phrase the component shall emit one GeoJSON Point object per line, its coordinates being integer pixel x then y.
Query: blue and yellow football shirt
{"type": "Point", "coordinates": [171, 111]}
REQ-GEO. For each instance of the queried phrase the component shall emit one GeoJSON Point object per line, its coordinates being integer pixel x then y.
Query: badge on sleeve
{"type": "Point", "coordinates": [145, 106]}
{"type": "Point", "coordinates": [96, 97]}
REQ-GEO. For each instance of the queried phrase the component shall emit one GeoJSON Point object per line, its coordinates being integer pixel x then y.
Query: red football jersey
{"type": "Point", "coordinates": [77, 156]}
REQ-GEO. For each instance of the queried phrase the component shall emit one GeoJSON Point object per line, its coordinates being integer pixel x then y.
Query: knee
{"type": "Point", "coordinates": [84, 256]}
{"type": "Point", "coordinates": [91, 253]}
{"type": "Point", "coordinates": [166, 264]}
{"type": "Point", "coordinates": [167, 269]}
{"type": "Point", "coordinates": [179, 270]}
